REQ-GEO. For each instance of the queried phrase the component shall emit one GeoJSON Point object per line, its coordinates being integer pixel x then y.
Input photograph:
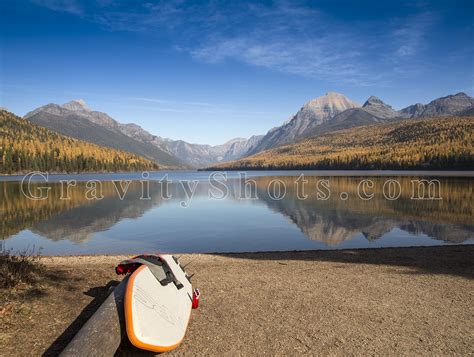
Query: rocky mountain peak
{"type": "Point", "coordinates": [448, 105]}
{"type": "Point", "coordinates": [326, 106]}
{"type": "Point", "coordinates": [77, 104]}
{"type": "Point", "coordinates": [313, 113]}
{"type": "Point", "coordinates": [336, 101]}
{"type": "Point", "coordinates": [377, 107]}
{"type": "Point", "coordinates": [373, 100]}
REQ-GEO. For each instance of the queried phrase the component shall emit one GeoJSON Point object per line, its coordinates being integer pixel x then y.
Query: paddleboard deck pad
{"type": "Point", "coordinates": [158, 302]}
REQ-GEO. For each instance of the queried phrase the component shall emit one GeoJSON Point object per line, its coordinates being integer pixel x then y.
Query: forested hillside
{"type": "Point", "coordinates": [25, 147]}
{"type": "Point", "coordinates": [439, 143]}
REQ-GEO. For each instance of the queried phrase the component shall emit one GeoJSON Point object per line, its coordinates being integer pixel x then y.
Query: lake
{"type": "Point", "coordinates": [259, 211]}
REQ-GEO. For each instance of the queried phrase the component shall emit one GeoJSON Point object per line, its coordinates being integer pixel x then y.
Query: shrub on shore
{"type": "Point", "coordinates": [22, 268]}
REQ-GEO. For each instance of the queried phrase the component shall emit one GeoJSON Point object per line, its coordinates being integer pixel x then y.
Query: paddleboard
{"type": "Point", "coordinates": [157, 316]}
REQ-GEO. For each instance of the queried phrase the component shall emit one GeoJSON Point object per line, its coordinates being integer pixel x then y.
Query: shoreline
{"type": "Point", "coordinates": [355, 301]}
{"type": "Point", "coordinates": [270, 172]}
{"type": "Point", "coordinates": [250, 253]}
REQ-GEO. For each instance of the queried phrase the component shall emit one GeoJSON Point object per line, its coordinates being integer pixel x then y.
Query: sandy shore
{"type": "Point", "coordinates": [385, 301]}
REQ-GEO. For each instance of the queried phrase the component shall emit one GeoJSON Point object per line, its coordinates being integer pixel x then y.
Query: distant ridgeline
{"type": "Point", "coordinates": [26, 147]}
{"type": "Point", "coordinates": [433, 144]}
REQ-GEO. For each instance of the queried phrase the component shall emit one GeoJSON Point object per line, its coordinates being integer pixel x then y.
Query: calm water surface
{"type": "Point", "coordinates": [233, 224]}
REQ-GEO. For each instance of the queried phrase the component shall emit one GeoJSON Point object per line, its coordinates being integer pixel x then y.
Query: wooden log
{"type": "Point", "coordinates": [102, 334]}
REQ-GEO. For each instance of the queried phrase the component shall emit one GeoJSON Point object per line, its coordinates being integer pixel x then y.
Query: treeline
{"type": "Point", "coordinates": [428, 144]}
{"type": "Point", "coordinates": [28, 147]}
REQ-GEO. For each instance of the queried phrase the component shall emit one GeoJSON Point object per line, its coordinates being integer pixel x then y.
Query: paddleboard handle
{"type": "Point", "coordinates": [196, 295]}
{"type": "Point", "coordinates": [123, 269]}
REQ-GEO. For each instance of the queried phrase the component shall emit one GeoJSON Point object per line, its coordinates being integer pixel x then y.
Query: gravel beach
{"type": "Point", "coordinates": [417, 301]}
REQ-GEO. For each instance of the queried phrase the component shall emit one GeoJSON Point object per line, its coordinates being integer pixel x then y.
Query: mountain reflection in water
{"type": "Point", "coordinates": [331, 221]}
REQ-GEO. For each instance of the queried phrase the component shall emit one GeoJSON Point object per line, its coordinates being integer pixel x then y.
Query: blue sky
{"type": "Point", "coordinates": [206, 72]}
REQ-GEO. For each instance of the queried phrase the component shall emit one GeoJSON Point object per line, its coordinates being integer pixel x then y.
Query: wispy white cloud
{"type": "Point", "coordinates": [173, 102]}
{"type": "Point", "coordinates": [69, 6]}
{"type": "Point", "coordinates": [410, 33]}
{"type": "Point", "coordinates": [283, 36]}
{"type": "Point", "coordinates": [289, 38]}
{"type": "Point", "coordinates": [323, 58]}
{"type": "Point", "coordinates": [178, 106]}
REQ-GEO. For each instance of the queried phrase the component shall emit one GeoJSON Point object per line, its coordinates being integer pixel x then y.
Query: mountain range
{"type": "Point", "coordinates": [413, 144]}
{"type": "Point", "coordinates": [327, 113]}
{"type": "Point", "coordinates": [334, 111]}
{"type": "Point", "coordinates": [77, 120]}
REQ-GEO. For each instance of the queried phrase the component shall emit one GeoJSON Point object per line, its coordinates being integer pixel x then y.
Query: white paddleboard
{"type": "Point", "coordinates": [157, 316]}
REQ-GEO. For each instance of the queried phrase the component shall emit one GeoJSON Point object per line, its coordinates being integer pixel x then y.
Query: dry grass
{"type": "Point", "coordinates": [21, 268]}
